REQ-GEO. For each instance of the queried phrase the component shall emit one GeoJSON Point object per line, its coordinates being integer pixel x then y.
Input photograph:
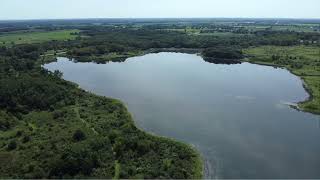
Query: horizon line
{"type": "Point", "coordinates": [101, 18]}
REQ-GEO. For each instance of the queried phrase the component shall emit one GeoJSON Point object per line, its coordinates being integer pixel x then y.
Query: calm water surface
{"type": "Point", "coordinates": [236, 115]}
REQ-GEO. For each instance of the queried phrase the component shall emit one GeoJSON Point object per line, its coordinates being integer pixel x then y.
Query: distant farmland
{"type": "Point", "coordinates": [37, 37]}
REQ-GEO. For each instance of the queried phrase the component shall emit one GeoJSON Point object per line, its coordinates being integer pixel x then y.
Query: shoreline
{"type": "Point", "coordinates": [247, 59]}
{"type": "Point", "coordinates": [304, 85]}
{"type": "Point", "coordinates": [198, 160]}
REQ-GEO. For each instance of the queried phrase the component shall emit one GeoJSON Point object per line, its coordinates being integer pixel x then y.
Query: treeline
{"type": "Point", "coordinates": [223, 55]}
{"type": "Point", "coordinates": [120, 40]}
{"type": "Point", "coordinates": [103, 40]}
{"type": "Point", "coordinates": [25, 87]}
{"type": "Point", "coordinates": [26, 92]}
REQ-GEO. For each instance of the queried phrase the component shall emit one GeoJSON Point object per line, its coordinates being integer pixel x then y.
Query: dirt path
{"type": "Point", "coordinates": [76, 110]}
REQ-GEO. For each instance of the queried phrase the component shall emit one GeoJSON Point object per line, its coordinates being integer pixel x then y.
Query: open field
{"type": "Point", "coordinates": [37, 37]}
{"type": "Point", "coordinates": [294, 27]}
{"type": "Point", "coordinates": [303, 61]}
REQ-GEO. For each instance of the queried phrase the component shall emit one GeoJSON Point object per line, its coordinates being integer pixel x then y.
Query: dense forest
{"type": "Point", "coordinates": [49, 128]}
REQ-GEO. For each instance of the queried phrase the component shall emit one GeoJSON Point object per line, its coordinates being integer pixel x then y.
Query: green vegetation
{"type": "Point", "coordinates": [303, 61]}
{"type": "Point", "coordinates": [64, 144]}
{"type": "Point", "coordinates": [37, 37]}
{"type": "Point", "coordinates": [115, 44]}
{"type": "Point", "coordinates": [81, 56]}
{"type": "Point", "coordinates": [52, 129]}
{"type": "Point", "coordinates": [224, 55]}
{"type": "Point", "coordinates": [49, 128]}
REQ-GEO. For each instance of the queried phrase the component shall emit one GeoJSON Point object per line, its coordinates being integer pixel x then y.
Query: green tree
{"type": "Point", "coordinates": [79, 135]}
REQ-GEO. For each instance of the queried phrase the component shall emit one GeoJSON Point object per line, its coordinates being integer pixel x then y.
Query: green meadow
{"type": "Point", "coordinates": [37, 37]}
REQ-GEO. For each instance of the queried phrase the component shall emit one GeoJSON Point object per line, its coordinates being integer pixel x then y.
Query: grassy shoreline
{"type": "Point", "coordinates": [309, 75]}
{"type": "Point", "coordinates": [304, 85]}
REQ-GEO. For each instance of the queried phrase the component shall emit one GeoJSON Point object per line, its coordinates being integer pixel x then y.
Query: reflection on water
{"type": "Point", "coordinates": [236, 115]}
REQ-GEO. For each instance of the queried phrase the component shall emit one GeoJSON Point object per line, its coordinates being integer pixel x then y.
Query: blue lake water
{"type": "Point", "coordinates": [235, 115]}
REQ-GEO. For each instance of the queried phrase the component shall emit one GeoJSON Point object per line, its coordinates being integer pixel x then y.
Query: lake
{"type": "Point", "coordinates": [236, 115]}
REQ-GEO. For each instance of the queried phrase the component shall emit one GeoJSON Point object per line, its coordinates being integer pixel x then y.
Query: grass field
{"type": "Point", "coordinates": [36, 37]}
{"type": "Point", "coordinates": [295, 28]}
{"type": "Point", "coordinates": [303, 61]}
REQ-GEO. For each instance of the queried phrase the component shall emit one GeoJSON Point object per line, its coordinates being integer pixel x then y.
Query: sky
{"type": "Point", "coordinates": [69, 9]}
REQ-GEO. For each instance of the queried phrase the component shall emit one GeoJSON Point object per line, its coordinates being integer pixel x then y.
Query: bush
{"type": "Point", "coordinates": [6, 122]}
{"type": "Point", "coordinates": [26, 139]}
{"type": "Point", "coordinates": [58, 114]}
{"type": "Point", "coordinates": [19, 133]}
{"type": "Point", "coordinates": [12, 145]}
{"type": "Point", "coordinates": [223, 53]}
{"type": "Point", "coordinates": [79, 135]}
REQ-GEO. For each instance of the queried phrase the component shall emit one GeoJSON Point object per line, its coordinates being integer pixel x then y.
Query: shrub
{"type": "Point", "coordinates": [25, 139]}
{"type": "Point", "coordinates": [79, 135]}
{"type": "Point", "coordinates": [12, 145]}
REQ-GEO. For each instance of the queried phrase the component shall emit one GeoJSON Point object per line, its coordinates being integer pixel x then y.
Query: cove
{"type": "Point", "coordinates": [235, 115]}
